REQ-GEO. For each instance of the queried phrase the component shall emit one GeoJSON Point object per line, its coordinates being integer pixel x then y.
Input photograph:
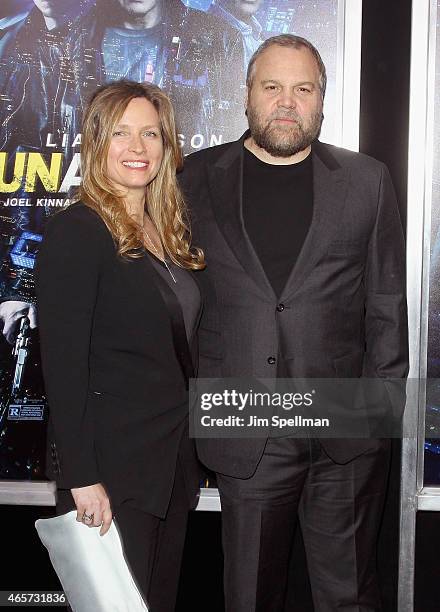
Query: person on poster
{"type": "Point", "coordinates": [241, 15]}
{"type": "Point", "coordinates": [11, 313]}
{"type": "Point", "coordinates": [40, 102]}
{"type": "Point", "coordinates": [118, 311]}
{"type": "Point", "coordinates": [37, 77]}
{"type": "Point", "coordinates": [191, 55]}
{"type": "Point", "coordinates": [305, 279]}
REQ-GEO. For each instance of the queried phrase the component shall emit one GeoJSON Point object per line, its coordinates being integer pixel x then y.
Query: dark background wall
{"type": "Point", "coordinates": [384, 120]}
{"type": "Point", "coordinates": [384, 115]}
{"type": "Point", "coordinates": [384, 135]}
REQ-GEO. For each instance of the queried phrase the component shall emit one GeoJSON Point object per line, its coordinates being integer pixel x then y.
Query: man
{"type": "Point", "coordinates": [304, 279]}
{"type": "Point", "coordinates": [39, 97]}
{"type": "Point", "coordinates": [194, 57]}
{"type": "Point", "coordinates": [241, 15]}
{"type": "Point", "coordinates": [39, 93]}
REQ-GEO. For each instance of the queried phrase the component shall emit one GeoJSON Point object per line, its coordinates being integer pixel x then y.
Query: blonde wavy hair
{"type": "Point", "coordinates": [163, 198]}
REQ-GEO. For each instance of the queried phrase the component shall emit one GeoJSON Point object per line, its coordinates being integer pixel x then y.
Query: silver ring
{"type": "Point", "coordinates": [87, 517]}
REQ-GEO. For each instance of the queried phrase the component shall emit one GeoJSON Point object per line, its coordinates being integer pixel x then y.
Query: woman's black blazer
{"type": "Point", "coordinates": [115, 366]}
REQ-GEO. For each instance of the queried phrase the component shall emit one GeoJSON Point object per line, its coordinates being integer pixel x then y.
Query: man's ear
{"type": "Point", "coordinates": [246, 100]}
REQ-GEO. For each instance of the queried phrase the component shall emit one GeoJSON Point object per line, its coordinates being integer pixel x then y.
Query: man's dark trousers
{"type": "Point", "coordinates": [339, 509]}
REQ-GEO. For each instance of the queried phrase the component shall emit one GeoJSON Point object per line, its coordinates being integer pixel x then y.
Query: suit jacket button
{"type": "Point", "coordinates": [280, 307]}
{"type": "Point", "coordinates": [271, 360]}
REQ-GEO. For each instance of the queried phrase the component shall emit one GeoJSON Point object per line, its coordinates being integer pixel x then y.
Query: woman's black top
{"type": "Point", "coordinates": [186, 290]}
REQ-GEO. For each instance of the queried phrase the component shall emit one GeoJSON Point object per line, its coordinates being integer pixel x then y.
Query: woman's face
{"type": "Point", "coordinates": [136, 149]}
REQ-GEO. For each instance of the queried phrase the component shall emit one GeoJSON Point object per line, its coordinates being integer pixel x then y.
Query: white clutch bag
{"type": "Point", "coordinates": [91, 568]}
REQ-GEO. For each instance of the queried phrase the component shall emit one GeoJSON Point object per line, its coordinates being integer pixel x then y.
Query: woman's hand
{"type": "Point", "coordinates": [93, 507]}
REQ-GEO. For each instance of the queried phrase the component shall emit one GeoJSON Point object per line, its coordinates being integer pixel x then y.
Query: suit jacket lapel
{"type": "Point", "coordinates": [172, 304]}
{"type": "Point", "coordinates": [226, 188]}
{"type": "Point", "coordinates": [329, 193]}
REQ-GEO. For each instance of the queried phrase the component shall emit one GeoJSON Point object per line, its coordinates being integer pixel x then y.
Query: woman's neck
{"type": "Point", "coordinates": [136, 209]}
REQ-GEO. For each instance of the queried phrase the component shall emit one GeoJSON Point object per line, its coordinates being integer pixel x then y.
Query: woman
{"type": "Point", "coordinates": [118, 310]}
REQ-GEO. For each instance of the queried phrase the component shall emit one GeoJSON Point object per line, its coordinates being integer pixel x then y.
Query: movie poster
{"type": "Point", "coordinates": [432, 443]}
{"type": "Point", "coordinates": [53, 55]}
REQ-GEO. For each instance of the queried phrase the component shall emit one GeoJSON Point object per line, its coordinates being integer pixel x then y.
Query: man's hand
{"type": "Point", "coordinates": [11, 313]}
{"type": "Point", "coordinates": [93, 507]}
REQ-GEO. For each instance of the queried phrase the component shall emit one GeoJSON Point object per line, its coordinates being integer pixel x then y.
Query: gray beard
{"type": "Point", "coordinates": [267, 137]}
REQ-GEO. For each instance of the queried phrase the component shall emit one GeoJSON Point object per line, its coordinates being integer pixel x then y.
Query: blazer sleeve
{"type": "Point", "coordinates": [68, 271]}
{"type": "Point", "coordinates": [386, 324]}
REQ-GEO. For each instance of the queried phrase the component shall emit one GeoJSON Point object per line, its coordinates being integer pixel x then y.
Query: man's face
{"type": "Point", "coordinates": [247, 7]}
{"type": "Point", "coordinates": [284, 105]}
{"type": "Point", "coordinates": [53, 8]}
{"type": "Point", "coordinates": [138, 7]}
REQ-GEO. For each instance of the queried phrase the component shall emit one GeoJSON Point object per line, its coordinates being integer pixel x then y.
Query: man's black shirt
{"type": "Point", "coordinates": [277, 212]}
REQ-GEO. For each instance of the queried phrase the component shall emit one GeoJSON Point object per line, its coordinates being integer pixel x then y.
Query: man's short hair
{"type": "Point", "coordinates": [295, 42]}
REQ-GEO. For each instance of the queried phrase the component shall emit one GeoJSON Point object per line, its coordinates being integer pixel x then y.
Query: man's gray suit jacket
{"type": "Point", "coordinates": [342, 313]}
